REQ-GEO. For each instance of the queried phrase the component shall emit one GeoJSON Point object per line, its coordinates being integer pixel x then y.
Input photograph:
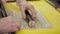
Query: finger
{"type": "Point", "coordinates": [17, 25]}
{"type": "Point", "coordinates": [14, 29]}
{"type": "Point", "coordinates": [11, 28]}
{"type": "Point", "coordinates": [17, 22]}
{"type": "Point", "coordinates": [23, 11]}
{"type": "Point", "coordinates": [31, 8]}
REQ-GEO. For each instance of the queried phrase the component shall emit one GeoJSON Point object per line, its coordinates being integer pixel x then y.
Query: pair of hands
{"type": "Point", "coordinates": [10, 24]}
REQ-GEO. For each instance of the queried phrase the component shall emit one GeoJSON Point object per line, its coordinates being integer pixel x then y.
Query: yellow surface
{"type": "Point", "coordinates": [48, 11]}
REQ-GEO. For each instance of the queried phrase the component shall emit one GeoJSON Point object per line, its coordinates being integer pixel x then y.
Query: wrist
{"type": "Point", "coordinates": [19, 2]}
{"type": "Point", "coordinates": [22, 1]}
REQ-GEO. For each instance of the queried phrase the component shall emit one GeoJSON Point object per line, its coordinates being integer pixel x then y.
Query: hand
{"type": "Point", "coordinates": [26, 5]}
{"type": "Point", "coordinates": [8, 24]}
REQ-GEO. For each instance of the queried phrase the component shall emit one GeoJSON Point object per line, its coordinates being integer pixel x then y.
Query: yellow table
{"type": "Point", "coordinates": [48, 11]}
